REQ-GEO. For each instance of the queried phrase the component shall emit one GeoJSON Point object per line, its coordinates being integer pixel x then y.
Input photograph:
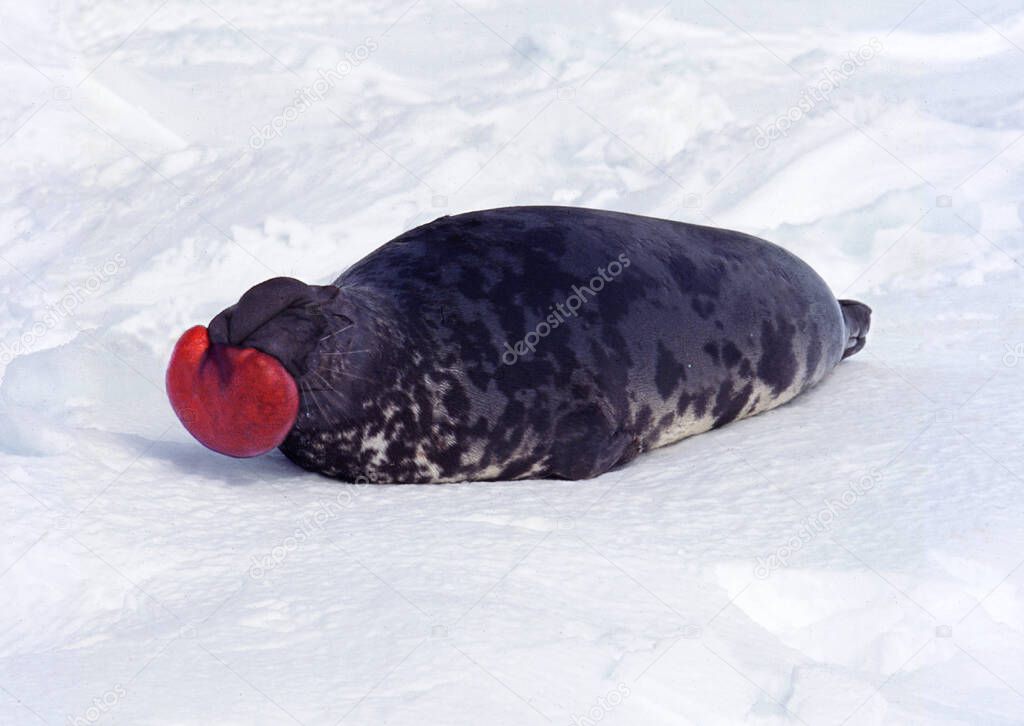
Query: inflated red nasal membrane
{"type": "Point", "coordinates": [236, 401]}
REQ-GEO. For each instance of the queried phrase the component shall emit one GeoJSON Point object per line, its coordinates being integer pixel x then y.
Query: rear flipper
{"type": "Point", "coordinates": [857, 319]}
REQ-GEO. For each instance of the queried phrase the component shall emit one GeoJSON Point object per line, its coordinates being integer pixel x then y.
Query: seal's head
{"type": "Point", "coordinates": [233, 384]}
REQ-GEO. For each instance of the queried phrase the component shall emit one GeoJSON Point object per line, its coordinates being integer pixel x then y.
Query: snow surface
{"type": "Point", "coordinates": [853, 557]}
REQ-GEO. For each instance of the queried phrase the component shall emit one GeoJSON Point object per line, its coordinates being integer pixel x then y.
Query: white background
{"type": "Point", "coordinates": [147, 580]}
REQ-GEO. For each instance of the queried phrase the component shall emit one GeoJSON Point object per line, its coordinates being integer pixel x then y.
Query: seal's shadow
{"type": "Point", "coordinates": [191, 459]}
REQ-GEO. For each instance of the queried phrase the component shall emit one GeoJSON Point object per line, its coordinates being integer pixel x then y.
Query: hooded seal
{"type": "Point", "coordinates": [514, 343]}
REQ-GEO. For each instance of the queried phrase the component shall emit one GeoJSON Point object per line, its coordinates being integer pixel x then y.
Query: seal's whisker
{"type": "Point", "coordinates": [326, 383]}
{"type": "Point", "coordinates": [312, 394]}
{"type": "Point", "coordinates": [316, 402]}
{"type": "Point", "coordinates": [337, 332]}
{"type": "Point", "coordinates": [343, 372]}
{"type": "Point", "coordinates": [333, 390]}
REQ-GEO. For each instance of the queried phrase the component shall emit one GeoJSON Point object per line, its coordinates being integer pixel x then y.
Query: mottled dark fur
{"type": "Point", "coordinates": [400, 361]}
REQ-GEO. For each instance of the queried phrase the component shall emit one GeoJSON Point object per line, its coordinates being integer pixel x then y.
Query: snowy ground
{"type": "Point", "coordinates": [854, 557]}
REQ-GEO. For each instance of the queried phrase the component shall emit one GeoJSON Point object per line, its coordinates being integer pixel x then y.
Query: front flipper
{"type": "Point", "coordinates": [587, 444]}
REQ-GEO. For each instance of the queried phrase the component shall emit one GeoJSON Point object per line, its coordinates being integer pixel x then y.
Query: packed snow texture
{"type": "Point", "coordinates": [853, 557]}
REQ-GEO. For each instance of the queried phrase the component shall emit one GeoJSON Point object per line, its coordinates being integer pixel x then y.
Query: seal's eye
{"type": "Point", "coordinates": [237, 401]}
